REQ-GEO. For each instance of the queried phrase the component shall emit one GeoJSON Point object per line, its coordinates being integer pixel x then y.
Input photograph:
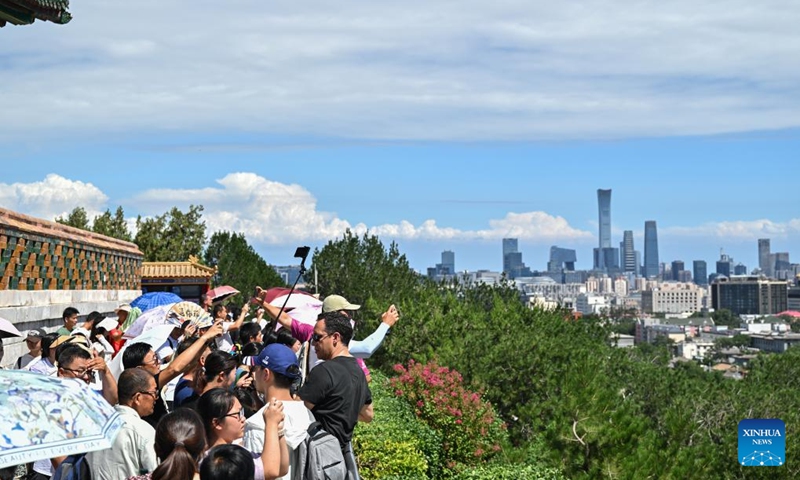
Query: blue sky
{"type": "Point", "coordinates": [440, 126]}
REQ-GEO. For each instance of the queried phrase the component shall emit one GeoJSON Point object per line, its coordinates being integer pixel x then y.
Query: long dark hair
{"type": "Point", "coordinates": [180, 440]}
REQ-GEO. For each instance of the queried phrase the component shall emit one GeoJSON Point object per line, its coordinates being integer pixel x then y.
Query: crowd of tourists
{"type": "Point", "coordinates": [239, 396]}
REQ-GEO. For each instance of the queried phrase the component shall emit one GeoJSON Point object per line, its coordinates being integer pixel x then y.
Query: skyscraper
{"type": "Point", "coordinates": [650, 249]}
{"type": "Point", "coordinates": [604, 217]}
{"type": "Point", "coordinates": [561, 259]}
{"type": "Point", "coordinates": [763, 257]}
{"type": "Point", "coordinates": [513, 266]}
{"type": "Point", "coordinates": [448, 262]}
{"type": "Point", "coordinates": [700, 272]}
{"type": "Point", "coordinates": [677, 268]}
{"type": "Point", "coordinates": [605, 256]}
{"type": "Point", "coordinates": [724, 265]}
{"type": "Point", "coordinates": [627, 252]}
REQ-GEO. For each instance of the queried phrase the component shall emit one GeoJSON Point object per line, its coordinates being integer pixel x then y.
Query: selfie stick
{"type": "Point", "coordinates": [302, 253]}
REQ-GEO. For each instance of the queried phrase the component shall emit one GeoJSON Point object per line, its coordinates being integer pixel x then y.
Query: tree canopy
{"type": "Point", "coordinates": [238, 265]}
{"type": "Point", "coordinates": [570, 399]}
{"type": "Point", "coordinates": [173, 236]}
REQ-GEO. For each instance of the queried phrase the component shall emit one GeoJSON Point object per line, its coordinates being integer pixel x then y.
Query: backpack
{"type": "Point", "coordinates": [74, 467]}
{"type": "Point", "coordinates": [319, 456]}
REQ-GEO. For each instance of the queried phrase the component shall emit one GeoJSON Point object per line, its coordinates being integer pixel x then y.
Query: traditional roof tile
{"type": "Point", "coordinates": [25, 12]}
{"type": "Point", "coordinates": [190, 269]}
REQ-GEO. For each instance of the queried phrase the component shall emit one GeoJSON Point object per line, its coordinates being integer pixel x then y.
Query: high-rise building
{"type": "Point", "coordinates": [780, 265]}
{"type": "Point", "coordinates": [749, 295]}
{"type": "Point", "coordinates": [604, 217]}
{"type": "Point", "coordinates": [512, 260]}
{"type": "Point", "coordinates": [724, 265]}
{"type": "Point", "coordinates": [510, 245]}
{"type": "Point", "coordinates": [700, 270]}
{"type": "Point", "coordinates": [606, 257]}
{"type": "Point", "coordinates": [627, 253]}
{"type": "Point", "coordinates": [445, 269]}
{"type": "Point", "coordinates": [650, 249]}
{"type": "Point", "coordinates": [561, 259]}
{"type": "Point", "coordinates": [677, 268]}
{"type": "Point", "coordinates": [448, 262]}
{"type": "Point", "coordinates": [763, 257]}
{"type": "Point", "coordinates": [740, 269]}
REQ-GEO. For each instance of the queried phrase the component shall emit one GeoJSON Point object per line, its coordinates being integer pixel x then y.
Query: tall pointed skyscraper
{"type": "Point", "coordinates": [650, 249]}
{"type": "Point", "coordinates": [605, 256]}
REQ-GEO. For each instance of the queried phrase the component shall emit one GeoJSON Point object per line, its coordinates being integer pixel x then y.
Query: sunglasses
{"type": "Point", "coordinates": [315, 338]}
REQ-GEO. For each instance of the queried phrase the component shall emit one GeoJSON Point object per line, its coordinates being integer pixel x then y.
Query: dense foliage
{"type": "Point", "coordinates": [396, 444]}
{"type": "Point", "coordinates": [173, 236]}
{"type": "Point", "coordinates": [471, 433]}
{"type": "Point", "coordinates": [105, 224]}
{"type": "Point", "coordinates": [571, 401]}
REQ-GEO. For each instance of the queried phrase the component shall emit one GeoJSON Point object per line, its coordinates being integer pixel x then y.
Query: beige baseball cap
{"type": "Point", "coordinates": [334, 303]}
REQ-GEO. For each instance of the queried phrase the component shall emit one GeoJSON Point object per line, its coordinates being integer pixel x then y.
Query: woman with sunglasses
{"type": "Point", "coordinates": [223, 418]}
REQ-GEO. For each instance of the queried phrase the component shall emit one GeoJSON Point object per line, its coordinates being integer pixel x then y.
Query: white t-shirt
{"type": "Point", "coordinates": [296, 420]}
{"type": "Point", "coordinates": [225, 342]}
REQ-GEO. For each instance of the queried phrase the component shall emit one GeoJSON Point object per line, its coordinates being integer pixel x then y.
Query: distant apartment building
{"type": "Point", "coordinates": [673, 297]}
{"type": "Point", "coordinates": [591, 304]}
{"type": "Point", "coordinates": [548, 288]}
{"type": "Point", "coordinates": [621, 287]}
{"type": "Point", "coordinates": [749, 295]}
{"type": "Point", "coordinates": [793, 300]}
{"type": "Point", "coordinates": [481, 276]}
{"type": "Point", "coordinates": [740, 269]}
{"type": "Point", "coordinates": [774, 342]}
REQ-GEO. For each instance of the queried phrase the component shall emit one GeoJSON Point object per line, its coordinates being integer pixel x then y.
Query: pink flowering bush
{"type": "Point", "coordinates": [471, 432]}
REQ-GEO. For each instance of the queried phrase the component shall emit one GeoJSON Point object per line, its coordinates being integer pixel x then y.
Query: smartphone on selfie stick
{"type": "Point", "coordinates": [302, 254]}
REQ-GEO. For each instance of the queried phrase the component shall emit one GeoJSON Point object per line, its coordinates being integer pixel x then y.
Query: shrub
{"type": "Point", "coordinates": [511, 472]}
{"type": "Point", "coordinates": [471, 433]}
{"type": "Point", "coordinates": [396, 445]}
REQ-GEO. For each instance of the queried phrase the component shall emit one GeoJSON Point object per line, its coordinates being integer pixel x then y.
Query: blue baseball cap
{"type": "Point", "coordinates": [280, 359]}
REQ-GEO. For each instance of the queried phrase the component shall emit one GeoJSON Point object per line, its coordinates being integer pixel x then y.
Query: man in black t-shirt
{"type": "Point", "coordinates": [336, 390]}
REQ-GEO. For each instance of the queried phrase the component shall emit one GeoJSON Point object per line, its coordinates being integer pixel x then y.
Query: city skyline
{"type": "Point", "coordinates": [537, 231]}
{"type": "Point", "coordinates": [304, 120]}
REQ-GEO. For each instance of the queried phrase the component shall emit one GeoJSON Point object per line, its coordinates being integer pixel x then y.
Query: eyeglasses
{"type": "Point", "coordinates": [153, 394]}
{"type": "Point", "coordinates": [86, 372]}
{"type": "Point", "coordinates": [316, 338]}
{"type": "Point", "coordinates": [239, 414]}
{"type": "Point", "coordinates": [154, 361]}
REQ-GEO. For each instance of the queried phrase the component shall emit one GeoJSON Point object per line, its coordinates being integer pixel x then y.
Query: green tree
{"type": "Point", "coordinates": [238, 264]}
{"type": "Point", "coordinates": [76, 218]}
{"type": "Point", "coordinates": [724, 316]}
{"type": "Point", "coordinates": [173, 236]}
{"type": "Point", "coordinates": [361, 268]}
{"type": "Point", "coordinates": [112, 226]}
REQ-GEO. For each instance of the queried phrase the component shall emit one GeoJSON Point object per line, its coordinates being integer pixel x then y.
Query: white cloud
{"type": "Point", "coordinates": [275, 213]}
{"type": "Point", "coordinates": [738, 230]}
{"type": "Point", "coordinates": [54, 196]}
{"type": "Point", "coordinates": [468, 70]}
